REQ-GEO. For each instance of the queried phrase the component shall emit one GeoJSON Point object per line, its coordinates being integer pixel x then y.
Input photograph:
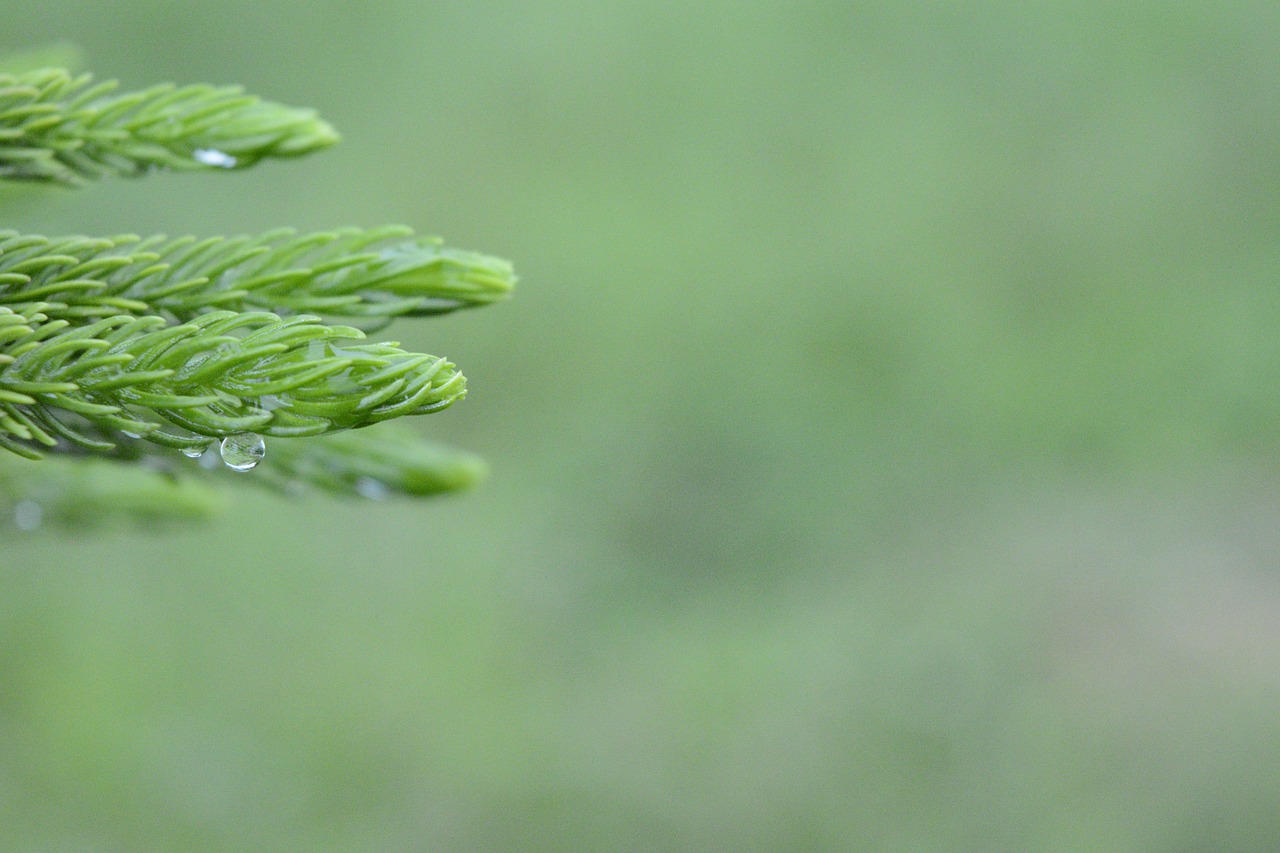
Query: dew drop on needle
{"type": "Point", "coordinates": [243, 452]}
{"type": "Point", "coordinates": [214, 157]}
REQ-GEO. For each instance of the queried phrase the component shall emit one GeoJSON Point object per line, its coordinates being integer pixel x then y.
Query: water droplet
{"type": "Point", "coordinates": [243, 452]}
{"type": "Point", "coordinates": [28, 515]}
{"type": "Point", "coordinates": [131, 434]}
{"type": "Point", "coordinates": [195, 451]}
{"type": "Point", "coordinates": [214, 157]}
{"type": "Point", "coordinates": [374, 490]}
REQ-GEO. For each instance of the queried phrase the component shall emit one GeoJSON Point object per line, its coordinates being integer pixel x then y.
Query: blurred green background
{"type": "Point", "coordinates": [884, 442]}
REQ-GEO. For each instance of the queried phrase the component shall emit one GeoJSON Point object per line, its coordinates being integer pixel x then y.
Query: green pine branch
{"type": "Point", "coordinates": [220, 374]}
{"type": "Point", "coordinates": [381, 462]}
{"type": "Point", "coordinates": [65, 129]}
{"type": "Point", "coordinates": [377, 463]}
{"type": "Point", "coordinates": [150, 483]}
{"type": "Point", "coordinates": [83, 491]}
{"type": "Point", "coordinates": [348, 273]}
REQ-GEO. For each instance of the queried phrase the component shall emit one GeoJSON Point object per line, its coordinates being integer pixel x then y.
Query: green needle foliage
{"type": "Point", "coordinates": [59, 128]}
{"type": "Point", "coordinates": [349, 273]}
{"type": "Point", "coordinates": [118, 352]}
{"type": "Point", "coordinates": [221, 374]}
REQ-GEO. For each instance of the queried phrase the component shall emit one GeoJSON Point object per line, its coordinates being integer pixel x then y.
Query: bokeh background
{"type": "Point", "coordinates": [884, 445]}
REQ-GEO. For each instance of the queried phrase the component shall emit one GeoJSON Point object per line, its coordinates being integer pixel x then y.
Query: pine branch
{"type": "Point", "coordinates": [143, 482]}
{"type": "Point", "coordinates": [59, 128]}
{"type": "Point", "coordinates": [221, 374]}
{"type": "Point", "coordinates": [84, 492]}
{"type": "Point", "coordinates": [384, 461]}
{"type": "Point", "coordinates": [348, 273]}
{"type": "Point", "coordinates": [375, 463]}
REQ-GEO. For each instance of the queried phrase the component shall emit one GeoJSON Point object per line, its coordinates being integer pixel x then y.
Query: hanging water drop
{"type": "Point", "coordinates": [194, 451]}
{"type": "Point", "coordinates": [243, 452]}
{"type": "Point", "coordinates": [214, 157]}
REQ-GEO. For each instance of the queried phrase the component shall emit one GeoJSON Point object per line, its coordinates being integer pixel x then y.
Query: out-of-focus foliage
{"type": "Point", "coordinates": [908, 482]}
